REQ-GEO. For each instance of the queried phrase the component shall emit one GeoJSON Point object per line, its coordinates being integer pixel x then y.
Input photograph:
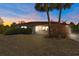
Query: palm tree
{"type": "Point", "coordinates": [60, 7]}
{"type": "Point", "coordinates": [45, 7]}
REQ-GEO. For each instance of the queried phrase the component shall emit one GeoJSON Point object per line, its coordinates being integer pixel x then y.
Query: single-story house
{"type": "Point", "coordinates": [38, 27]}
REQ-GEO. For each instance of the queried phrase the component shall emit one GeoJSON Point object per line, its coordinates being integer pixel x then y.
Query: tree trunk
{"type": "Point", "coordinates": [49, 24]}
{"type": "Point", "coordinates": [60, 11]}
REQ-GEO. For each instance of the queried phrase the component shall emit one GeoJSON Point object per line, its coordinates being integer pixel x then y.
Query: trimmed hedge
{"type": "Point", "coordinates": [16, 30]}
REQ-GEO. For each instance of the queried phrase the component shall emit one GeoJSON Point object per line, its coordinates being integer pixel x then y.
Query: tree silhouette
{"type": "Point", "coordinates": [46, 7]}
{"type": "Point", "coordinates": [60, 7]}
{"type": "Point", "coordinates": [1, 21]}
{"type": "Point", "coordinates": [13, 24]}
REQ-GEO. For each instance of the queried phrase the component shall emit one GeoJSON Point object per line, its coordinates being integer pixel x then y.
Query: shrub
{"type": "Point", "coordinates": [59, 31]}
{"type": "Point", "coordinates": [16, 30]}
{"type": "Point", "coordinates": [75, 28]}
{"type": "Point", "coordinates": [3, 28]}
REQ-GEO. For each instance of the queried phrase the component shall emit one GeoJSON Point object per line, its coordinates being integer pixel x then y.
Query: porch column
{"type": "Point", "coordinates": [33, 30]}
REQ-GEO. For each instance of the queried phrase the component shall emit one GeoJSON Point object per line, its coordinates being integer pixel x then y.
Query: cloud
{"type": "Point", "coordinates": [29, 14]}
{"type": "Point", "coordinates": [26, 12]}
{"type": "Point", "coordinates": [26, 18]}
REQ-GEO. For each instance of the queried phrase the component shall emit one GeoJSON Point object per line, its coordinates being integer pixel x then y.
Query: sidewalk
{"type": "Point", "coordinates": [74, 36]}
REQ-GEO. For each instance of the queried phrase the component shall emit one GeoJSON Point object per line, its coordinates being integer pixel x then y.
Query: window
{"type": "Point", "coordinates": [24, 27]}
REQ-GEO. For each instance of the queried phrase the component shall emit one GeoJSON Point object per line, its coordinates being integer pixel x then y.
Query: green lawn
{"type": "Point", "coordinates": [36, 45]}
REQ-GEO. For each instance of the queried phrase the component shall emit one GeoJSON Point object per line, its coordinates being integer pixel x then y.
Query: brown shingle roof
{"type": "Point", "coordinates": [40, 23]}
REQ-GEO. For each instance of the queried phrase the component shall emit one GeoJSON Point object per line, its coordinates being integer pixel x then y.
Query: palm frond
{"type": "Point", "coordinates": [67, 5]}
{"type": "Point", "coordinates": [45, 6]}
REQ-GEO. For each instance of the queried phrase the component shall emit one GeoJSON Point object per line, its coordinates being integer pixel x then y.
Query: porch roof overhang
{"type": "Point", "coordinates": [39, 23]}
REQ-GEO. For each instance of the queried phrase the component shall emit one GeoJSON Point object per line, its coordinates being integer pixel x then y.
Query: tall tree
{"type": "Point", "coordinates": [1, 21]}
{"type": "Point", "coordinates": [46, 7]}
{"type": "Point", "coordinates": [13, 24]}
{"type": "Point", "coordinates": [60, 7]}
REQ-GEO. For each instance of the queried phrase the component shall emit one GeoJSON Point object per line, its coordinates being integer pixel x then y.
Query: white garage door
{"type": "Point", "coordinates": [41, 29]}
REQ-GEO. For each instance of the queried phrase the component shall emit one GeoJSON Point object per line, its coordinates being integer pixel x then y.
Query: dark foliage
{"type": "Point", "coordinates": [75, 28]}
{"type": "Point", "coordinates": [3, 28]}
{"type": "Point", "coordinates": [17, 30]}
